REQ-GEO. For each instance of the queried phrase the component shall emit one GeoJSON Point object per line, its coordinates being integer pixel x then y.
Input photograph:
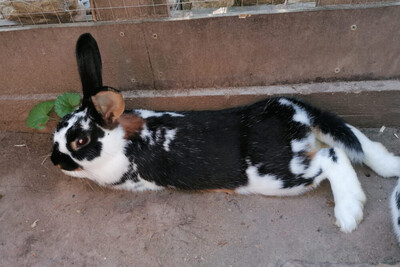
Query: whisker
{"type": "Point", "coordinates": [92, 174]}
{"type": "Point", "coordinates": [99, 186]}
{"type": "Point", "coordinates": [88, 183]}
{"type": "Point", "coordinates": [45, 158]}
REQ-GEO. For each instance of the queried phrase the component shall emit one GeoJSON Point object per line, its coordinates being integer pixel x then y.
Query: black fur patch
{"type": "Point", "coordinates": [333, 155]}
{"type": "Point", "coordinates": [212, 148]}
{"type": "Point", "coordinates": [297, 182]}
{"type": "Point", "coordinates": [398, 200]}
{"type": "Point", "coordinates": [64, 122]}
{"type": "Point", "coordinates": [89, 65]}
{"type": "Point", "coordinates": [333, 125]}
{"type": "Point", "coordinates": [272, 147]}
{"type": "Point", "coordinates": [93, 149]}
{"type": "Point", "coordinates": [63, 160]}
{"type": "Point", "coordinates": [318, 174]}
{"type": "Point", "coordinates": [244, 142]}
{"type": "Point", "coordinates": [205, 153]}
{"type": "Point", "coordinates": [129, 175]}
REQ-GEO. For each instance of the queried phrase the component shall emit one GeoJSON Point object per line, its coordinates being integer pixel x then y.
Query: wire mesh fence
{"type": "Point", "coordinates": [32, 12]}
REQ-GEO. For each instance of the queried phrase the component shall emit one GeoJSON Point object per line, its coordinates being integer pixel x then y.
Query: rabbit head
{"type": "Point", "coordinates": [89, 142]}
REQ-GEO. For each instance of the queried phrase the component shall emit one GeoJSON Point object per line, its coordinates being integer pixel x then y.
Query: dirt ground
{"type": "Point", "coordinates": [49, 219]}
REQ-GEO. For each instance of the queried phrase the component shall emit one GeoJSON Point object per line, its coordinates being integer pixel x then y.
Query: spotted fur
{"type": "Point", "coordinates": [395, 208]}
{"type": "Point", "coordinates": [276, 147]}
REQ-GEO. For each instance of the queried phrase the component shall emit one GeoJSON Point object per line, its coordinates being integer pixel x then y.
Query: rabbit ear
{"type": "Point", "coordinates": [110, 105]}
{"type": "Point", "coordinates": [89, 65]}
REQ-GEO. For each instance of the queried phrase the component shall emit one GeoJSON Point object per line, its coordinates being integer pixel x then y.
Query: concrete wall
{"type": "Point", "coordinates": [221, 52]}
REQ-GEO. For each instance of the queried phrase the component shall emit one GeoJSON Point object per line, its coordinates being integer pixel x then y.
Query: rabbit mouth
{"type": "Point", "coordinates": [79, 173]}
{"type": "Point", "coordinates": [77, 170]}
{"type": "Point", "coordinates": [74, 170]}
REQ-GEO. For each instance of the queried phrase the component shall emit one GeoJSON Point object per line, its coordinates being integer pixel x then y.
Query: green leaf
{"type": "Point", "coordinates": [39, 115]}
{"type": "Point", "coordinates": [66, 103]}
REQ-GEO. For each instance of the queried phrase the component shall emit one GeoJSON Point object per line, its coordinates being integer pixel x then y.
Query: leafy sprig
{"type": "Point", "coordinates": [40, 114]}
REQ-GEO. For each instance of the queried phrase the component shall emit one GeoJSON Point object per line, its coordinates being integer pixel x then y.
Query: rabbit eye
{"type": "Point", "coordinates": [80, 142]}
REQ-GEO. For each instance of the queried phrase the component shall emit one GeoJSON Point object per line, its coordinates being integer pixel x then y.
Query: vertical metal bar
{"type": "Point", "coordinates": [96, 11]}
{"type": "Point", "coordinates": [20, 21]}
{"type": "Point", "coordinates": [154, 7]}
{"type": "Point", "coordinates": [58, 18]}
{"type": "Point", "coordinates": [67, 9]}
{"type": "Point", "coordinates": [140, 9]}
{"type": "Point", "coordinates": [39, 7]}
{"type": "Point", "coordinates": [111, 8]}
{"type": "Point", "coordinates": [126, 10]}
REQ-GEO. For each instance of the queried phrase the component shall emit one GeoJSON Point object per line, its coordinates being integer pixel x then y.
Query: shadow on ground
{"type": "Point", "coordinates": [49, 219]}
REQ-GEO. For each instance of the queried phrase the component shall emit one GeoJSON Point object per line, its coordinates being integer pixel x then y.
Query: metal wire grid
{"type": "Point", "coordinates": [41, 12]}
{"type": "Point", "coordinates": [31, 12]}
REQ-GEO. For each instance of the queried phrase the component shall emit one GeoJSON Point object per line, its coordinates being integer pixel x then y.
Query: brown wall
{"type": "Point", "coordinates": [217, 52]}
{"type": "Point", "coordinates": [213, 52]}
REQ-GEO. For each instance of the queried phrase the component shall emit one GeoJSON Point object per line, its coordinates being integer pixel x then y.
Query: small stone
{"type": "Point", "coordinates": [34, 224]}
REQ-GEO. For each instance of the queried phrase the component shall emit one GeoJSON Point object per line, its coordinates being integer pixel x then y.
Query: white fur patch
{"type": "Point", "coordinates": [308, 143]}
{"type": "Point", "coordinates": [142, 185]}
{"type": "Point", "coordinates": [146, 134]}
{"type": "Point", "coordinates": [60, 136]}
{"type": "Point", "coordinates": [395, 211]}
{"type": "Point", "coordinates": [169, 136]}
{"type": "Point", "coordinates": [328, 139]}
{"type": "Point", "coordinates": [78, 174]}
{"type": "Point", "coordinates": [81, 114]}
{"type": "Point", "coordinates": [305, 144]}
{"type": "Point", "coordinates": [85, 124]}
{"type": "Point", "coordinates": [377, 157]}
{"type": "Point", "coordinates": [297, 166]}
{"type": "Point", "coordinates": [331, 163]}
{"type": "Point", "coordinates": [347, 192]}
{"type": "Point", "coordinates": [300, 115]}
{"type": "Point", "coordinates": [149, 113]}
{"type": "Point", "coordinates": [158, 135]}
{"type": "Point", "coordinates": [267, 185]}
{"type": "Point", "coordinates": [112, 163]}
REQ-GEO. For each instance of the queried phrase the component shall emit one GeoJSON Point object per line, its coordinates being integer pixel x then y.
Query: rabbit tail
{"type": "Point", "coordinates": [334, 132]}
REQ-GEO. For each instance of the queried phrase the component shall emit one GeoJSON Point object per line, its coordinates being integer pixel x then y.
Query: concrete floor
{"type": "Point", "coordinates": [49, 219]}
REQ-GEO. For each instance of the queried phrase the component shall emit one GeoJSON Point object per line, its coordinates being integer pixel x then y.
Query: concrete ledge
{"type": "Point", "coordinates": [365, 104]}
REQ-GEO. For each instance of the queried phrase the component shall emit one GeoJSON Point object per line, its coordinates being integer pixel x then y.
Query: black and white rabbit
{"type": "Point", "coordinates": [276, 147]}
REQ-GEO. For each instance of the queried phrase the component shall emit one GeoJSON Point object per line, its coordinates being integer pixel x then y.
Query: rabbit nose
{"type": "Point", "coordinates": [63, 161]}
{"type": "Point", "coordinates": [54, 159]}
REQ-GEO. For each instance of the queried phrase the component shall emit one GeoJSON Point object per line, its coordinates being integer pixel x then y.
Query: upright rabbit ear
{"type": "Point", "coordinates": [110, 105]}
{"type": "Point", "coordinates": [89, 65]}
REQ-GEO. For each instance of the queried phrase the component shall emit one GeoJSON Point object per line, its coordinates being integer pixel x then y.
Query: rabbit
{"type": "Point", "coordinates": [279, 146]}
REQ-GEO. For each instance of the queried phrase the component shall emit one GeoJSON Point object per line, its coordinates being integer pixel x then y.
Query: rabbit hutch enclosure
{"type": "Point", "coordinates": [342, 55]}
